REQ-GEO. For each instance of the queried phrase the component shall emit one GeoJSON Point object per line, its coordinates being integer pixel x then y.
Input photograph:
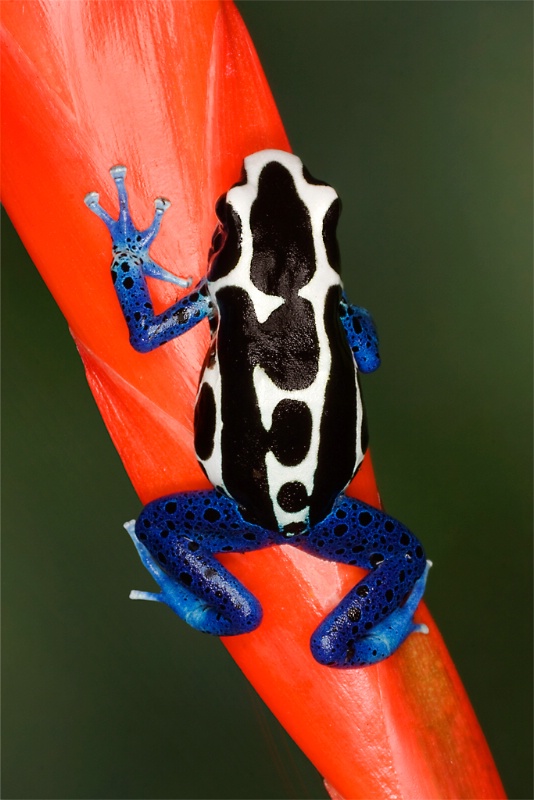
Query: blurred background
{"type": "Point", "coordinates": [420, 115]}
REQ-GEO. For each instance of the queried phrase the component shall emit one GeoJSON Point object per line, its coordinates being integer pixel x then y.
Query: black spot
{"type": "Point", "coordinates": [389, 526]}
{"type": "Point", "coordinates": [356, 324]}
{"type": "Point", "coordinates": [161, 558]}
{"type": "Point", "coordinates": [389, 595]}
{"type": "Point", "coordinates": [193, 547]}
{"type": "Point", "coordinates": [125, 266]}
{"type": "Point", "coordinates": [142, 537]}
{"type": "Point", "coordinates": [181, 315]}
{"type": "Point", "coordinates": [293, 528]}
{"type": "Point", "coordinates": [211, 515]}
{"type": "Point", "coordinates": [350, 651]}
{"type": "Point", "coordinates": [283, 258]}
{"type": "Point", "coordinates": [186, 578]}
{"type": "Point", "coordinates": [364, 518]}
{"type": "Point", "coordinates": [354, 614]}
{"type": "Point", "coordinates": [376, 559]}
{"type": "Point", "coordinates": [405, 539]}
{"type": "Point", "coordinates": [362, 591]}
{"type": "Point", "coordinates": [292, 497]}
{"type": "Point", "coordinates": [329, 235]}
{"type": "Point", "coordinates": [290, 433]}
{"type": "Point", "coordinates": [340, 514]}
{"type": "Point", "coordinates": [339, 530]}
{"type": "Point", "coordinates": [170, 507]}
{"type": "Point", "coordinates": [128, 283]}
{"type": "Point", "coordinates": [419, 551]}
{"type": "Point", "coordinates": [205, 419]}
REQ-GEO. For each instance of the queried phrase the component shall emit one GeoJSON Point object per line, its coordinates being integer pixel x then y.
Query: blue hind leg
{"type": "Point", "coordinates": [176, 538]}
{"type": "Point", "coordinates": [377, 615]}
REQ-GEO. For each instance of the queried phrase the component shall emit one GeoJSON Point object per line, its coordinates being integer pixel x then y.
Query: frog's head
{"type": "Point", "coordinates": [278, 223]}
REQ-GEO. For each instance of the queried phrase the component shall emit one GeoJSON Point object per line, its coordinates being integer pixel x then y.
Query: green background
{"type": "Point", "coordinates": [419, 114]}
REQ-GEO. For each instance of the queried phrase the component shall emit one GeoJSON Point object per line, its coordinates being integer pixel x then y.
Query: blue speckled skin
{"type": "Point", "coordinates": [178, 536]}
{"type": "Point", "coordinates": [361, 335]}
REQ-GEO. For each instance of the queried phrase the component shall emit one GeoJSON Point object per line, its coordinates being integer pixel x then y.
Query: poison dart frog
{"type": "Point", "coordinates": [279, 424]}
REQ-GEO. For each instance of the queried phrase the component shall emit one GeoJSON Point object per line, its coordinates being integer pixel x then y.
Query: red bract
{"type": "Point", "coordinates": [175, 91]}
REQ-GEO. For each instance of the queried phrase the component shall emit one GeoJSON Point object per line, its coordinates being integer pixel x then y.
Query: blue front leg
{"type": "Point", "coordinates": [132, 264]}
{"type": "Point", "coordinates": [361, 335]}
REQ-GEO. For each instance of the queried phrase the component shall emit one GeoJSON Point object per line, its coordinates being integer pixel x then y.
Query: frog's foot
{"type": "Point", "coordinates": [331, 645]}
{"type": "Point", "coordinates": [192, 609]}
{"type": "Point", "coordinates": [129, 239]}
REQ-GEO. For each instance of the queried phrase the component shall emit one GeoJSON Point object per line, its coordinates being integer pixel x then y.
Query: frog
{"type": "Point", "coordinates": [279, 424]}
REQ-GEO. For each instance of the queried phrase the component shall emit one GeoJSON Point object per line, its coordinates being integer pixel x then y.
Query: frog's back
{"type": "Point", "coordinates": [278, 420]}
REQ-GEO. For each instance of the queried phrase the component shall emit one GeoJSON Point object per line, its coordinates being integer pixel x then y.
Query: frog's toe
{"type": "Point", "coordinates": [161, 204]}
{"type": "Point", "coordinates": [118, 172]}
{"type": "Point", "coordinates": [91, 199]}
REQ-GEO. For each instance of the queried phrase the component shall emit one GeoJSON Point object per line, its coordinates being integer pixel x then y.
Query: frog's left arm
{"type": "Point", "coordinates": [130, 267]}
{"type": "Point", "coordinates": [361, 335]}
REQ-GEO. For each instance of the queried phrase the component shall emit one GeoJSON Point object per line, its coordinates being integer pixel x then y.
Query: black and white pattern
{"type": "Point", "coordinates": [279, 415]}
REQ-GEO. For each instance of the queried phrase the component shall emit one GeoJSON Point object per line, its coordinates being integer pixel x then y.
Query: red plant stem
{"type": "Point", "coordinates": [401, 729]}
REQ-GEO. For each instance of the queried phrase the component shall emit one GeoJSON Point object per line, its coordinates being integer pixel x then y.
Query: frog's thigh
{"type": "Point", "coordinates": [182, 532]}
{"type": "Point", "coordinates": [355, 533]}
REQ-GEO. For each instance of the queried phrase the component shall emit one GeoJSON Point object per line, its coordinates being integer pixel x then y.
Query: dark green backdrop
{"type": "Point", "coordinates": [419, 114]}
